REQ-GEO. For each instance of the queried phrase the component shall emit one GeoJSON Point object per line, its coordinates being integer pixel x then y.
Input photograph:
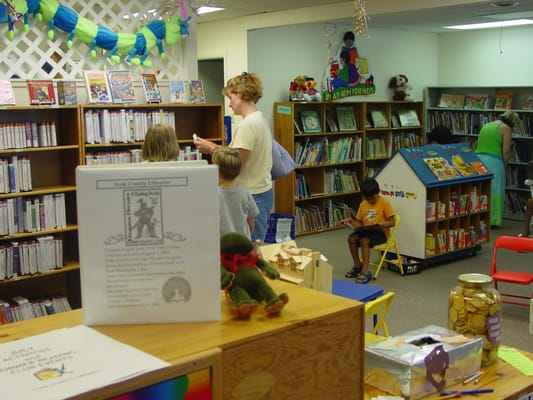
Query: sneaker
{"type": "Point", "coordinates": [353, 272]}
{"type": "Point", "coordinates": [363, 277]}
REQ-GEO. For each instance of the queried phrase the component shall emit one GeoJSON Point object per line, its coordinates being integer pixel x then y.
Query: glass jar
{"type": "Point", "coordinates": [474, 309]}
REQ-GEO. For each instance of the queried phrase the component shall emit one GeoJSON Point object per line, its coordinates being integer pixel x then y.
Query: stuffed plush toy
{"type": "Point", "coordinates": [311, 94]}
{"type": "Point", "coordinates": [242, 277]}
{"type": "Point", "coordinates": [399, 84]}
{"type": "Point", "coordinates": [297, 88]}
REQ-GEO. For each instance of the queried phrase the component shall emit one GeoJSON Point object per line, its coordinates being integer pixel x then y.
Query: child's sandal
{"type": "Point", "coordinates": [364, 277]}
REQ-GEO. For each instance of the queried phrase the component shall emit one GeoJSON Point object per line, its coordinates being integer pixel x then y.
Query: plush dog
{"type": "Point", "coordinates": [399, 84]}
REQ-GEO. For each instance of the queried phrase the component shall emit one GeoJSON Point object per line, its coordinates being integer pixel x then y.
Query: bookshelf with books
{"type": "Point", "coordinates": [442, 195]}
{"type": "Point", "coordinates": [39, 151]}
{"type": "Point", "coordinates": [332, 159]}
{"type": "Point", "coordinates": [116, 131]}
{"type": "Point", "coordinates": [465, 124]}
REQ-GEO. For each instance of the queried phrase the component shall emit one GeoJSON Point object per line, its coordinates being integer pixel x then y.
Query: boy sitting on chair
{"type": "Point", "coordinates": [376, 214]}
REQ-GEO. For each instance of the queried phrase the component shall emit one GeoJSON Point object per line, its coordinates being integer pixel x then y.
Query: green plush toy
{"type": "Point", "coordinates": [242, 277]}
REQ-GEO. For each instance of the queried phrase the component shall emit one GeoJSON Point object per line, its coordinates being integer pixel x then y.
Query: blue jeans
{"type": "Point", "coordinates": [264, 202]}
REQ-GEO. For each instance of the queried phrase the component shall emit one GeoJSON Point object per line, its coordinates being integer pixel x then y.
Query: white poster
{"type": "Point", "coordinates": [149, 243]}
{"type": "Point", "coordinates": [66, 362]}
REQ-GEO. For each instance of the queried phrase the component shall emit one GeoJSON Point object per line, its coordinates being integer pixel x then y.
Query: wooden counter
{"type": "Point", "coordinates": [508, 384]}
{"type": "Point", "coordinates": [313, 349]}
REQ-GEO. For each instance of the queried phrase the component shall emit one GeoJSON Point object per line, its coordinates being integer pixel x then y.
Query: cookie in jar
{"type": "Point", "coordinates": [474, 309]}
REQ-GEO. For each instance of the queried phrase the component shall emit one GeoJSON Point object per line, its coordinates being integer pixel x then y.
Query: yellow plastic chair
{"type": "Point", "coordinates": [389, 245]}
{"type": "Point", "coordinates": [378, 307]}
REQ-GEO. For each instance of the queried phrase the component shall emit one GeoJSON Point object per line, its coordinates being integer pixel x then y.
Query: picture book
{"type": "Point", "coordinates": [311, 121]}
{"type": "Point", "coordinates": [41, 91]}
{"type": "Point", "coordinates": [97, 87]}
{"type": "Point", "coordinates": [479, 167]}
{"type": "Point", "coordinates": [452, 100]}
{"type": "Point", "coordinates": [379, 120]}
{"type": "Point", "coordinates": [197, 92]}
{"type": "Point", "coordinates": [66, 92]}
{"type": "Point", "coordinates": [408, 118]}
{"type": "Point", "coordinates": [332, 123]}
{"type": "Point", "coordinates": [7, 96]}
{"type": "Point", "coordinates": [504, 100]}
{"type": "Point", "coordinates": [151, 88]}
{"type": "Point", "coordinates": [441, 168]}
{"type": "Point", "coordinates": [528, 103]}
{"type": "Point", "coordinates": [121, 86]}
{"type": "Point", "coordinates": [476, 101]}
{"type": "Point", "coordinates": [346, 118]}
{"type": "Point", "coordinates": [395, 121]}
{"type": "Point", "coordinates": [179, 91]}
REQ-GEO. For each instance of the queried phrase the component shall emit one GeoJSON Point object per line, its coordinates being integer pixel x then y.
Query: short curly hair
{"type": "Point", "coordinates": [247, 85]}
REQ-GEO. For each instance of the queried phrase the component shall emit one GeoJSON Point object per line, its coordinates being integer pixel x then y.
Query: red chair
{"type": "Point", "coordinates": [519, 245]}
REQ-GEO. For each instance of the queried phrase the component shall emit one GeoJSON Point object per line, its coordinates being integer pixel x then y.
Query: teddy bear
{"type": "Point", "coordinates": [242, 277]}
{"type": "Point", "coordinates": [399, 84]}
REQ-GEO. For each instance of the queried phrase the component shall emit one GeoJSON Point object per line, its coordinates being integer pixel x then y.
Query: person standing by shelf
{"type": "Point", "coordinates": [253, 139]}
{"type": "Point", "coordinates": [160, 144]}
{"type": "Point", "coordinates": [494, 148]}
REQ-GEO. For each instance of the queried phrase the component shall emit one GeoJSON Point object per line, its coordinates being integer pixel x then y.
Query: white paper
{"type": "Point", "coordinates": [66, 362]}
{"type": "Point", "coordinates": [149, 243]}
{"type": "Point", "coordinates": [283, 230]}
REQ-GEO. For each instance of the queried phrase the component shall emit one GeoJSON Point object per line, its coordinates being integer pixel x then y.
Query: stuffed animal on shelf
{"type": "Point", "coordinates": [297, 88]}
{"type": "Point", "coordinates": [399, 84]}
{"type": "Point", "coordinates": [242, 277]}
{"type": "Point", "coordinates": [311, 93]}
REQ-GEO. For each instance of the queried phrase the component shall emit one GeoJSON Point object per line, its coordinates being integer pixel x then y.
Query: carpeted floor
{"type": "Point", "coordinates": [422, 299]}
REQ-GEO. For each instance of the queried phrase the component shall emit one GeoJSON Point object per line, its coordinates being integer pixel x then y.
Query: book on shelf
{"type": "Point", "coordinates": [440, 167]}
{"type": "Point", "coordinates": [97, 87]}
{"type": "Point", "coordinates": [197, 94]}
{"type": "Point", "coordinates": [395, 121]}
{"type": "Point", "coordinates": [297, 126]}
{"type": "Point", "coordinates": [41, 91]}
{"type": "Point", "coordinates": [528, 103]}
{"type": "Point", "coordinates": [379, 119]}
{"type": "Point", "coordinates": [503, 100]}
{"type": "Point", "coordinates": [346, 118]}
{"type": "Point", "coordinates": [310, 121]}
{"type": "Point", "coordinates": [332, 123]}
{"type": "Point", "coordinates": [179, 91]}
{"type": "Point", "coordinates": [121, 86]}
{"type": "Point", "coordinates": [7, 96]}
{"type": "Point", "coordinates": [408, 118]}
{"type": "Point", "coordinates": [66, 92]}
{"type": "Point", "coordinates": [151, 88]}
{"type": "Point", "coordinates": [476, 101]}
{"type": "Point", "coordinates": [451, 100]}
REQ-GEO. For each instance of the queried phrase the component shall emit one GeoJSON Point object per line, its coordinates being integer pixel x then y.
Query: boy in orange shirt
{"type": "Point", "coordinates": [376, 214]}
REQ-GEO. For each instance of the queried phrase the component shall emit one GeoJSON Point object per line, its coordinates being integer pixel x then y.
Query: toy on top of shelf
{"type": "Point", "coordinates": [311, 93]}
{"type": "Point", "coordinates": [399, 84]}
{"type": "Point", "coordinates": [297, 88]}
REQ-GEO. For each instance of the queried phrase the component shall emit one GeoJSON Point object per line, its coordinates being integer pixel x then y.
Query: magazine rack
{"type": "Point", "coordinates": [443, 196]}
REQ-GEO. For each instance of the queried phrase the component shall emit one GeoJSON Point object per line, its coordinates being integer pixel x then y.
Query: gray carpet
{"type": "Point", "coordinates": [422, 299]}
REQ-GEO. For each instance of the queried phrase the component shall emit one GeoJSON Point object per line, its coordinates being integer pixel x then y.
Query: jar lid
{"type": "Point", "coordinates": [474, 279]}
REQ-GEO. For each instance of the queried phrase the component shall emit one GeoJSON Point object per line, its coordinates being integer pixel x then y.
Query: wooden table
{"type": "Point", "coordinates": [313, 350]}
{"type": "Point", "coordinates": [508, 384]}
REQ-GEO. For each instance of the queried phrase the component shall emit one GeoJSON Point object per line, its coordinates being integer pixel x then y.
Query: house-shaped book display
{"type": "Point", "coordinates": [442, 195]}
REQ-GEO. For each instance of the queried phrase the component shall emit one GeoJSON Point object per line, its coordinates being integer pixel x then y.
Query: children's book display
{"type": "Point", "coordinates": [504, 100]}
{"type": "Point", "coordinates": [476, 101]}
{"type": "Point", "coordinates": [66, 92]}
{"type": "Point", "coordinates": [311, 121]}
{"type": "Point", "coordinates": [379, 120]}
{"type": "Point", "coordinates": [151, 88]}
{"type": "Point", "coordinates": [41, 91]}
{"type": "Point", "coordinates": [121, 85]}
{"type": "Point", "coordinates": [346, 118]}
{"type": "Point", "coordinates": [143, 259]}
{"type": "Point", "coordinates": [451, 100]}
{"type": "Point", "coordinates": [7, 96]}
{"type": "Point", "coordinates": [408, 118]}
{"type": "Point", "coordinates": [97, 87]}
{"type": "Point", "coordinates": [197, 92]}
{"type": "Point", "coordinates": [179, 91]}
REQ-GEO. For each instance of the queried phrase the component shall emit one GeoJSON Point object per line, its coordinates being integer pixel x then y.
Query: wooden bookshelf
{"type": "Point", "coordinates": [465, 125]}
{"type": "Point", "coordinates": [331, 161]}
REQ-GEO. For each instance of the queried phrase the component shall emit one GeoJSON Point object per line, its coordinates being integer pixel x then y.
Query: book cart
{"type": "Point", "coordinates": [442, 195]}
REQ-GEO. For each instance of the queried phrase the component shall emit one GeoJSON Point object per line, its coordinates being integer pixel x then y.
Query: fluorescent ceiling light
{"type": "Point", "coordinates": [207, 9]}
{"type": "Point", "coordinates": [495, 24]}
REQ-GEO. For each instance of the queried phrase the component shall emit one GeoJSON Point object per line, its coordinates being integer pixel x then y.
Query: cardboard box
{"type": "Point", "coordinates": [421, 362]}
{"type": "Point", "coordinates": [300, 266]}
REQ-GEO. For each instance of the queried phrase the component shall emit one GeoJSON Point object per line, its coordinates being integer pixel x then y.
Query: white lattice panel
{"type": "Point", "coordinates": [31, 54]}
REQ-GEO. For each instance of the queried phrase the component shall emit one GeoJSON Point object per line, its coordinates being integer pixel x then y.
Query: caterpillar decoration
{"type": "Point", "coordinates": [134, 46]}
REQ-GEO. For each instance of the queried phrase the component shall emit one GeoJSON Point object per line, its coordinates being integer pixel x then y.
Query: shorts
{"type": "Point", "coordinates": [376, 237]}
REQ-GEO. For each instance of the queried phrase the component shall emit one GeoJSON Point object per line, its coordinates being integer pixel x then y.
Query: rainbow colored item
{"type": "Point", "coordinates": [134, 46]}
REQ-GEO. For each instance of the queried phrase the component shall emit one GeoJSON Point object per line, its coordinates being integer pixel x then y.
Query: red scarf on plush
{"type": "Point", "coordinates": [234, 261]}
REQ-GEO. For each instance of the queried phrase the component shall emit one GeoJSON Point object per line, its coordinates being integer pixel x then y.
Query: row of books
{"type": "Point", "coordinates": [30, 256]}
{"type": "Point", "coordinates": [20, 135]}
{"type": "Point", "coordinates": [503, 100]}
{"type": "Point", "coordinates": [378, 147]}
{"type": "Point", "coordinates": [311, 217]}
{"type": "Point", "coordinates": [315, 152]}
{"type": "Point", "coordinates": [520, 154]}
{"type": "Point", "coordinates": [454, 239]}
{"type": "Point", "coordinates": [15, 175]}
{"type": "Point", "coordinates": [515, 177]}
{"type": "Point", "coordinates": [115, 86]}
{"type": "Point", "coordinates": [462, 205]}
{"type": "Point", "coordinates": [21, 308]}
{"type": "Point", "coordinates": [32, 214]}
{"type": "Point", "coordinates": [401, 118]}
{"type": "Point", "coordinates": [336, 180]}
{"type": "Point", "coordinates": [402, 140]}
{"type": "Point", "coordinates": [123, 126]}
{"type": "Point", "coordinates": [515, 203]}
{"type": "Point", "coordinates": [337, 211]}
{"type": "Point", "coordinates": [134, 156]}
